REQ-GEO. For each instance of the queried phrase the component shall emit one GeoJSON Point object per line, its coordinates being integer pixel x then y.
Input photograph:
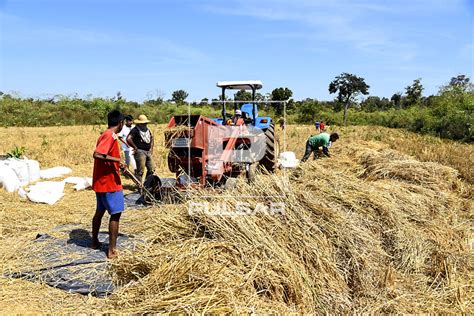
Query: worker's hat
{"type": "Point", "coordinates": [142, 119]}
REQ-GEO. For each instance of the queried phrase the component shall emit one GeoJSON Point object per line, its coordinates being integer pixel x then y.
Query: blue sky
{"type": "Point", "coordinates": [145, 48]}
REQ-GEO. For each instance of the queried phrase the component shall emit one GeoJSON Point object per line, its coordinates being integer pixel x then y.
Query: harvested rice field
{"type": "Point", "coordinates": [385, 225]}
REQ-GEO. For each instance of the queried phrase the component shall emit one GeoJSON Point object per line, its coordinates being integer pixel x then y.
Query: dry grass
{"type": "Point", "coordinates": [424, 148]}
{"type": "Point", "coordinates": [372, 230]}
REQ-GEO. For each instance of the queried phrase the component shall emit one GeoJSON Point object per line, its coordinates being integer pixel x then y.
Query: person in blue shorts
{"type": "Point", "coordinates": [106, 182]}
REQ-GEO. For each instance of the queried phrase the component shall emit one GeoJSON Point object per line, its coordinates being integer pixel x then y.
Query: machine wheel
{"type": "Point", "coordinates": [154, 186]}
{"type": "Point", "coordinates": [269, 161]}
{"type": "Point", "coordinates": [172, 165]}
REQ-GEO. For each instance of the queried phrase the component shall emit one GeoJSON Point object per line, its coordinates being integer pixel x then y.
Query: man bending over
{"type": "Point", "coordinates": [313, 143]}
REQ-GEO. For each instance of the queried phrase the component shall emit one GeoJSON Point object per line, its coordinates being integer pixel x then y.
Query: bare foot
{"type": "Point", "coordinates": [96, 245]}
{"type": "Point", "coordinates": [112, 254]}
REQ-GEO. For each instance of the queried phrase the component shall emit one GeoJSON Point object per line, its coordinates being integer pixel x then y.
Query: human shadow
{"type": "Point", "coordinates": [82, 238]}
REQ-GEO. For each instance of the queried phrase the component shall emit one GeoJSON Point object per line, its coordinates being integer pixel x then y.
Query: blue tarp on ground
{"type": "Point", "coordinates": [70, 264]}
{"type": "Point", "coordinates": [63, 258]}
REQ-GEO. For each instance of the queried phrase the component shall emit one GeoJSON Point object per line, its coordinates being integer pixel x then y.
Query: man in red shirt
{"type": "Point", "coordinates": [106, 182]}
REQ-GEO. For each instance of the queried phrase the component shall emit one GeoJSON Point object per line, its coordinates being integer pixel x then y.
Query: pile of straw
{"type": "Point", "coordinates": [393, 165]}
{"type": "Point", "coordinates": [345, 244]}
{"type": "Point", "coordinates": [369, 230]}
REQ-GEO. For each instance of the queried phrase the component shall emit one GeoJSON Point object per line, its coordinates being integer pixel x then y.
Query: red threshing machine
{"type": "Point", "coordinates": [206, 152]}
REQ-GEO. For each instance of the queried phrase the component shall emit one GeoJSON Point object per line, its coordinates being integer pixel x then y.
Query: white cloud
{"type": "Point", "coordinates": [16, 30]}
{"type": "Point", "coordinates": [365, 25]}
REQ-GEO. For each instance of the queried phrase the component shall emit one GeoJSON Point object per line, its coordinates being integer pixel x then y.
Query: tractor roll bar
{"type": "Point", "coordinates": [253, 85]}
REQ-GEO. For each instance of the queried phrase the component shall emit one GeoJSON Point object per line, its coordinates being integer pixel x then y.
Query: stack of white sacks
{"type": "Point", "coordinates": [16, 174]}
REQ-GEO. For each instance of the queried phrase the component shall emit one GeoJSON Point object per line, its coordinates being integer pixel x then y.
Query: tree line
{"type": "Point", "coordinates": [447, 114]}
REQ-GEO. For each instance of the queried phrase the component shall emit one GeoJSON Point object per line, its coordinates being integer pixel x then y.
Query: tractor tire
{"type": "Point", "coordinates": [269, 161]}
{"type": "Point", "coordinates": [172, 164]}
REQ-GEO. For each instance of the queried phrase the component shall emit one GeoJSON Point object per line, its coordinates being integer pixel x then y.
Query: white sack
{"type": "Point", "coordinates": [33, 170]}
{"type": "Point", "coordinates": [54, 172]}
{"type": "Point", "coordinates": [288, 160]}
{"type": "Point", "coordinates": [8, 179]}
{"type": "Point", "coordinates": [133, 163]}
{"type": "Point", "coordinates": [48, 192]}
{"type": "Point", "coordinates": [20, 167]}
{"type": "Point", "coordinates": [80, 183]}
{"type": "Point", "coordinates": [22, 193]}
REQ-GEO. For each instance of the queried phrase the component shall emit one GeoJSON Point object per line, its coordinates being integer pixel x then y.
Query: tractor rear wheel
{"type": "Point", "coordinates": [269, 161]}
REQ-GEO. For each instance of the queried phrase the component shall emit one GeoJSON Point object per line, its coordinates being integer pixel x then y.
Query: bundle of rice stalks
{"type": "Point", "coordinates": [342, 245]}
{"type": "Point", "coordinates": [393, 165]}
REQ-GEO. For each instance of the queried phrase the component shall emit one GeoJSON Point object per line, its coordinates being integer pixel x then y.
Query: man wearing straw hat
{"type": "Point", "coordinates": [141, 140]}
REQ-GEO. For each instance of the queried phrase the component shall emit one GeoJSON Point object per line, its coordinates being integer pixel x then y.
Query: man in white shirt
{"type": "Point", "coordinates": [123, 136]}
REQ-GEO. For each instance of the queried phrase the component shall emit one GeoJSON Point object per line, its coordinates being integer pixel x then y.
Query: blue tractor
{"type": "Point", "coordinates": [250, 116]}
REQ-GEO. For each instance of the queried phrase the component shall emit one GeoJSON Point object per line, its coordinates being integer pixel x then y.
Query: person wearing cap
{"type": "Point", "coordinates": [123, 136]}
{"type": "Point", "coordinates": [313, 143]}
{"type": "Point", "coordinates": [237, 119]}
{"type": "Point", "coordinates": [142, 142]}
{"type": "Point", "coordinates": [106, 182]}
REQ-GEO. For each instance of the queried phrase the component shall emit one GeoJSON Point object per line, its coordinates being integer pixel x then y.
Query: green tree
{"type": "Point", "coordinates": [371, 104]}
{"type": "Point", "coordinates": [243, 95]}
{"type": "Point", "coordinates": [179, 96]}
{"type": "Point", "coordinates": [348, 87]}
{"type": "Point", "coordinates": [308, 110]}
{"type": "Point", "coordinates": [461, 82]}
{"type": "Point", "coordinates": [259, 97]}
{"type": "Point", "coordinates": [155, 98]}
{"type": "Point", "coordinates": [204, 102]}
{"type": "Point", "coordinates": [459, 85]}
{"type": "Point", "coordinates": [280, 94]}
{"type": "Point", "coordinates": [374, 103]}
{"type": "Point", "coordinates": [216, 102]}
{"type": "Point", "coordinates": [414, 93]}
{"type": "Point", "coordinates": [396, 100]}
{"type": "Point", "coordinates": [118, 96]}
{"type": "Point", "coordinates": [385, 104]}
